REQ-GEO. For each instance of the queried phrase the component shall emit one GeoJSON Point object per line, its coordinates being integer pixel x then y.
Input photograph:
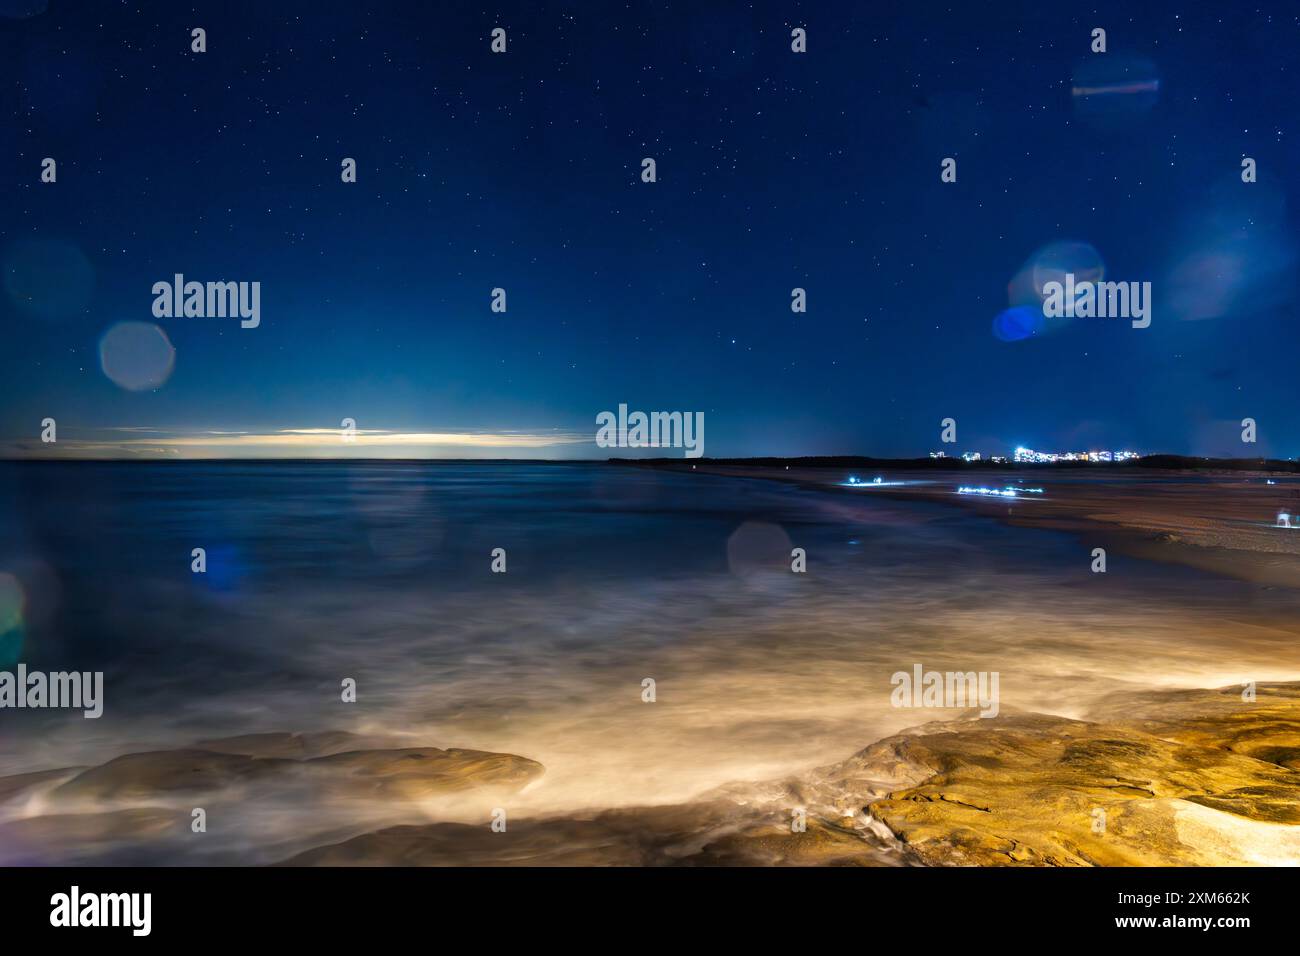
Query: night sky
{"type": "Point", "coordinates": [775, 170]}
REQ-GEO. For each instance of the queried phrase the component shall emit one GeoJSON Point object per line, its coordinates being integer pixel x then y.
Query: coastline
{"type": "Point", "coordinates": [1151, 778]}
{"type": "Point", "coordinates": [1219, 522]}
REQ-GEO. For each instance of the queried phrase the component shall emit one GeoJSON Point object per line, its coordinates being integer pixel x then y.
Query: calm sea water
{"type": "Point", "coordinates": [381, 572]}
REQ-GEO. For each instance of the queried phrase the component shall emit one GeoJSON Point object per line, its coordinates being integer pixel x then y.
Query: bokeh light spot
{"type": "Point", "coordinates": [137, 355]}
{"type": "Point", "coordinates": [1052, 262]}
{"type": "Point", "coordinates": [1017, 323]}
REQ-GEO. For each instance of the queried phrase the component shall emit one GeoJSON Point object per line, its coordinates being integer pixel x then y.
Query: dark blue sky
{"type": "Point", "coordinates": [775, 170]}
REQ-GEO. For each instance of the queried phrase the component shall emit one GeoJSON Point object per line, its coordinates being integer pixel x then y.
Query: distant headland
{"type": "Point", "coordinates": [1146, 462]}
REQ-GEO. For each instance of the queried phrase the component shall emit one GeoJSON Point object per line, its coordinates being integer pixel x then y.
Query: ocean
{"type": "Point", "coordinates": [382, 573]}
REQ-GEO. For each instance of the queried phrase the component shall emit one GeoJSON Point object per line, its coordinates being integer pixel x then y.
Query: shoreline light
{"type": "Point", "coordinates": [855, 482]}
{"type": "Point", "coordinates": [998, 492]}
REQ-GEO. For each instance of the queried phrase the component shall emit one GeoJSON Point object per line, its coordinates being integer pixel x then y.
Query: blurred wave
{"type": "Point", "coordinates": [381, 572]}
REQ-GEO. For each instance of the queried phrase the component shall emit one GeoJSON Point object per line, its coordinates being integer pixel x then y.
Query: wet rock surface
{"type": "Point", "coordinates": [1179, 777]}
{"type": "Point", "coordinates": [1193, 778]}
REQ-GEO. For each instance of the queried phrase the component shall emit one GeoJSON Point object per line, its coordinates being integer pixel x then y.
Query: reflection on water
{"type": "Point", "coordinates": [381, 572]}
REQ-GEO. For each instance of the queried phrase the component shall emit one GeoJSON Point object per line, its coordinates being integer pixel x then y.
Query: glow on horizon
{"type": "Point", "coordinates": [300, 443]}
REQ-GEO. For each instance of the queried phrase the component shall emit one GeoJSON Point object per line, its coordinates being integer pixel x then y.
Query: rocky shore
{"type": "Point", "coordinates": [1177, 777]}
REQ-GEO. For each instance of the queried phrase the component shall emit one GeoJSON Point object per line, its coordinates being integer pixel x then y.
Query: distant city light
{"type": "Point", "coordinates": [1023, 454]}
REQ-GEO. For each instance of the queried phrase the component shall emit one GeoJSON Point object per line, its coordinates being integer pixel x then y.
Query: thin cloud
{"type": "Point", "coordinates": [293, 442]}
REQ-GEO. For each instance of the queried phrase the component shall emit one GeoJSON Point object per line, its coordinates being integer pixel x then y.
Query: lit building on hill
{"type": "Point", "coordinates": [1023, 454]}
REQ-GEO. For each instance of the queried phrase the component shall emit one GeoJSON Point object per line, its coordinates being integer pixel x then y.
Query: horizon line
{"type": "Point", "coordinates": [926, 461]}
